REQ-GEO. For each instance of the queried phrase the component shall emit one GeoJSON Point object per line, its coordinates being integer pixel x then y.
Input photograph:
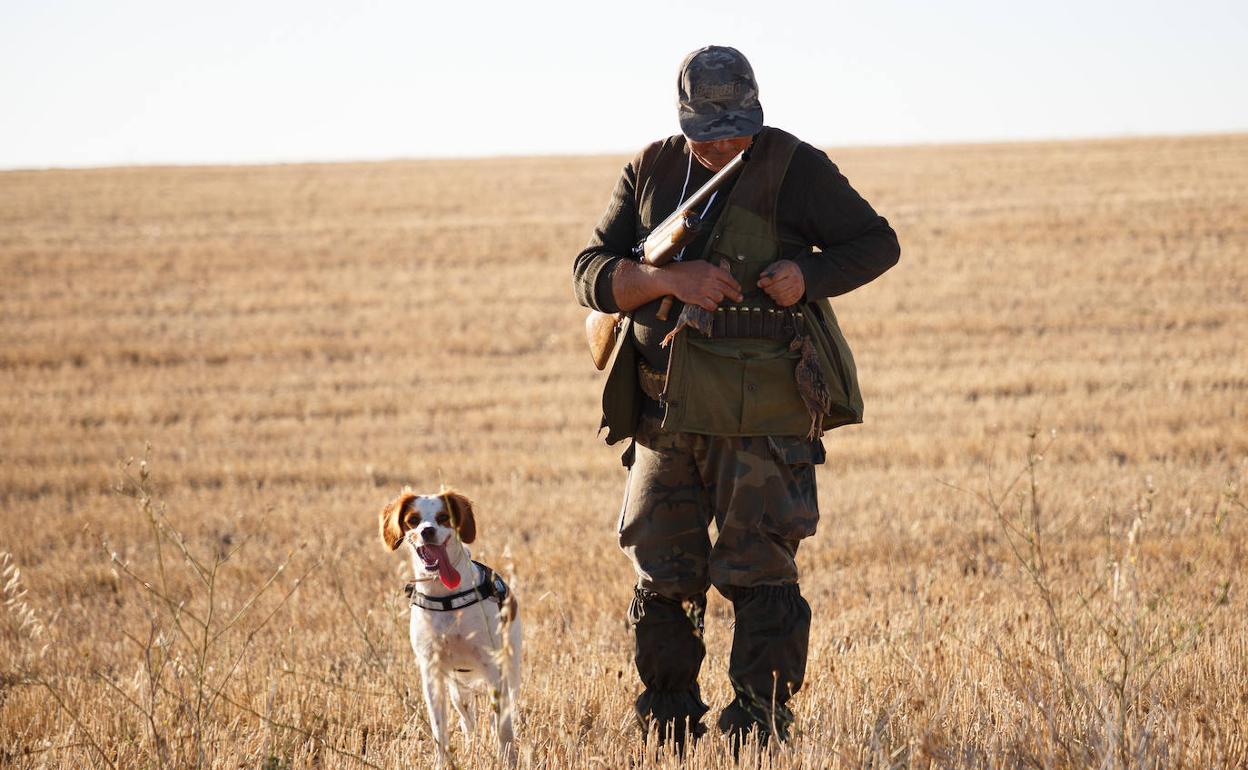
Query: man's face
{"type": "Point", "coordinates": [715, 154]}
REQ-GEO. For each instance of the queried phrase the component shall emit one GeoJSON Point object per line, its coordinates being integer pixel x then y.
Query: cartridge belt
{"type": "Point", "coordinates": [743, 321]}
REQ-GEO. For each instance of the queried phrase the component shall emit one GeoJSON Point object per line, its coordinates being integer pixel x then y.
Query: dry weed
{"type": "Point", "coordinates": [298, 342]}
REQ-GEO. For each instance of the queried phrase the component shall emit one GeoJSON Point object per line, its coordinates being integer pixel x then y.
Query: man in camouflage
{"type": "Point", "coordinates": [725, 427]}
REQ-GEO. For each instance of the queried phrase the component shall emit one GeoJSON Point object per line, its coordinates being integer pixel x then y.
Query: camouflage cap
{"type": "Point", "coordinates": [717, 95]}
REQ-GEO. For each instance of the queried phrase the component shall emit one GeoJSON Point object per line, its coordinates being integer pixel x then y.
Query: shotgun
{"type": "Point", "coordinates": [657, 249]}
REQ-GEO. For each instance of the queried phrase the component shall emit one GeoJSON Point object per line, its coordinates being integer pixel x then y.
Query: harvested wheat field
{"type": "Point", "coordinates": [296, 343]}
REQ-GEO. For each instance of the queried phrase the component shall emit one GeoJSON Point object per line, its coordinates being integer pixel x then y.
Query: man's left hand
{"type": "Point", "coordinates": [783, 282]}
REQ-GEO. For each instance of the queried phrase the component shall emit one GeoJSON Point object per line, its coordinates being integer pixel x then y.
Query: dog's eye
{"type": "Point", "coordinates": [442, 518]}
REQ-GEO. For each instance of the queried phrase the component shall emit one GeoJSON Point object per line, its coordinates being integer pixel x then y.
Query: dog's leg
{"type": "Point", "coordinates": [463, 707]}
{"type": "Point", "coordinates": [435, 702]}
{"type": "Point", "coordinates": [513, 664]}
{"type": "Point", "coordinates": [505, 698]}
{"type": "Point", "coordinates": [503, 705]}
{"type": "Point", "coordinates": [504, 695]}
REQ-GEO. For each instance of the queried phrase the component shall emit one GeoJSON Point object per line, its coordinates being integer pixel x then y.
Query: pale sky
{"type": "Point", "coordinates": [117, 82]}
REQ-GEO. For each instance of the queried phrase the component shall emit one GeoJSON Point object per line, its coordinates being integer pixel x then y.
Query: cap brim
{"type": "Point", "coordinates": [729, 124]}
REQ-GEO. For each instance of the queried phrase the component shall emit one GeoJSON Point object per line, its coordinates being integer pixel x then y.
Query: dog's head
{"type": "Point", "coordinates": [429, 518]}
{"type": "Point", "coordinates": [430, 524]}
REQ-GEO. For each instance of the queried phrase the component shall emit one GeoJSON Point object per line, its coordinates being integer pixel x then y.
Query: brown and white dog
{"type": "Point", "coordinates": [465, 627]}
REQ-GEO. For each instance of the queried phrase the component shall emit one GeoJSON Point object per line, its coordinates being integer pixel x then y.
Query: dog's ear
{"type": "Point", "coordinates": [462, 517]}
{"type": "Point", "coordinates": [392, 521]}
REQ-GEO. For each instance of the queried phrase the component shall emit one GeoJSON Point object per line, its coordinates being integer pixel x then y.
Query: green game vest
{"type": "Point", "coordinates": [737, 386]}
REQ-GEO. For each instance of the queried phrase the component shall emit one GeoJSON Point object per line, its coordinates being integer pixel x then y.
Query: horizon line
{"type": "Point", "coordinates": [979, 142]}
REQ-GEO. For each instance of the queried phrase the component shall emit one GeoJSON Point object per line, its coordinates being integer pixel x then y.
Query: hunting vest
{"type": "Point", "coordinates": [764, 370]}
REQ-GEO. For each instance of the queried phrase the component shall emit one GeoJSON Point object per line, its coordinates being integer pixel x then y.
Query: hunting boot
{"type": "Point", "coordinates": [669, 653]}
{"type": "Point", "coordinates": [768, 661]}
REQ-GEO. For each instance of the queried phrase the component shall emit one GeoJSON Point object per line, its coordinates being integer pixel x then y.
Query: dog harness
{"type": "Point", "coordinates": [490, 587]}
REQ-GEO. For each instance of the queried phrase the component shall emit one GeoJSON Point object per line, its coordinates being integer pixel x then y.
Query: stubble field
{"type": "Point", "coordinates": [296, 343]}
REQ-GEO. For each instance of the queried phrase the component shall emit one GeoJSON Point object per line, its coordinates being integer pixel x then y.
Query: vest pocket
{"type": "Point", "coordinates": [737, 388]}
{"type": "Point", "coordinates": [709, 391]}
{"type": "Point", "coordinates": [771, 405]}
{"type": "Point", "coordinates": [747, 256]}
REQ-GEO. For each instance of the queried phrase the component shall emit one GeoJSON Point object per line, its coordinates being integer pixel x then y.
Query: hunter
{"type": "Point", "coordinates": [724, 417]}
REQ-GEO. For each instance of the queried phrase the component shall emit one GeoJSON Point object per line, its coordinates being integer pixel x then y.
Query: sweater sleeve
{"type": "Point", "coordinates": [612, 241]}
{"type": "Point", "coordinates": [856, 245]}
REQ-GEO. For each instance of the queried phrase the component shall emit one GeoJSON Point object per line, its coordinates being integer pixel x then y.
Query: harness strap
{"type": "Point", "coordinates": [491, 587]}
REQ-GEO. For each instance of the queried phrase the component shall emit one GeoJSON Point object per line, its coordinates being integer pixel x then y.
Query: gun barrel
{"type": "Point", "coordinates": [662, 245]}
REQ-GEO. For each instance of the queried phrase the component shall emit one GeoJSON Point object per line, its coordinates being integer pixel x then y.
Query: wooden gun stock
{"type": "Point", "coordinates": [600, 331]}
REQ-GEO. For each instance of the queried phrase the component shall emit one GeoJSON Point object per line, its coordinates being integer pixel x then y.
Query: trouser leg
{"type": "Point", "coordinates": [768, 661]}
{"type": "Point", "coordinates": [663, 530]}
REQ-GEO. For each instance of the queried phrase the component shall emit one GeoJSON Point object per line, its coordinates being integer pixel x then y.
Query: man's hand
{"type": "Point", "coordinates": [700, 283]}
{"type": "Point", "coordinates": [783, 282]}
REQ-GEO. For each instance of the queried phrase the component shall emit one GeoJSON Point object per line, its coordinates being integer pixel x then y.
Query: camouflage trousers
{"type": "Point", "coordinates": [760, 494]}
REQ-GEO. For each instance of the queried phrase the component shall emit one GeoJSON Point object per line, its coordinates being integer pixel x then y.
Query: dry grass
{"type": "Point", "coordinates": [297, 342]}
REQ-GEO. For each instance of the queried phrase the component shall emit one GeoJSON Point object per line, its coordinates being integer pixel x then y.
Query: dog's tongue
{"type": "Point", "coordinates": [450, 578]}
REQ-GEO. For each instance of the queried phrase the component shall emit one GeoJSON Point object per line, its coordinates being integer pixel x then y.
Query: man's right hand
{"type": "Point", "coordinates": [700, 283]}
